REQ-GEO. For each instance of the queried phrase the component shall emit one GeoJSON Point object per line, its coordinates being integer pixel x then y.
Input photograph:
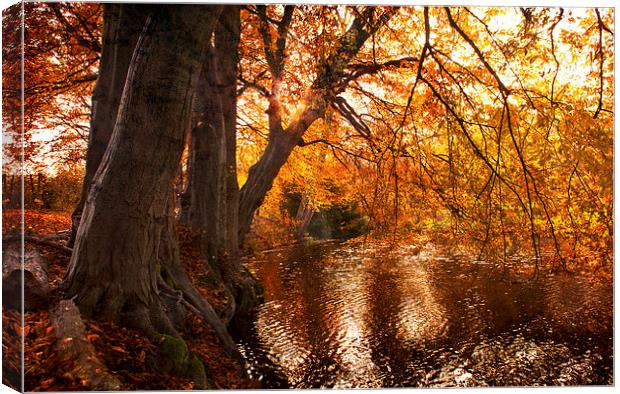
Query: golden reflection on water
{"type": "Point", "coordinates": [350, 330]}
{"type": "Point", "coordinates": [344, 312]}
{"type": "Point", "coordinates": [289, 347]}
{"type": "Point", "coordinates": [343, 316]}
{"type": "Point", "coordinates": [421, 316]}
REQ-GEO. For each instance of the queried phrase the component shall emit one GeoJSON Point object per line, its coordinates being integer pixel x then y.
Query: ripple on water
{"type": "Point", "coordinates": [349, 317]}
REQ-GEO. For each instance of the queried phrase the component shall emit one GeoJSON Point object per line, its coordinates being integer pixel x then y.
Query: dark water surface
{"type": "Point", "coordinates": [338, 315]}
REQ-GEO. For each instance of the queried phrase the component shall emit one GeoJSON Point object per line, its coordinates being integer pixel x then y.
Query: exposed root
{"type": "Point", "coordinates": [248, 293]}
{"type": "Point", "coordinates": [202, 308]}
{"type": "Point", "coordinates": [50, 241]}
{"type": "Point", "coordinates": [72, 346]}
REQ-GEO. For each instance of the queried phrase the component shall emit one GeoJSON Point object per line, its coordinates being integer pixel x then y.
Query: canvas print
{"type": "Point", "coordinates": [267, 196]}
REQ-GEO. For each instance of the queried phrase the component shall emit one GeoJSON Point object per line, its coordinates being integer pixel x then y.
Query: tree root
{"type": "Point", "coordinates": [199, 305]}
{"type": "Point", "coordinates": [40, 240]}
{"type": "Point", "coordinates": [73, 346]}
{"type": "Point", "coordinates": [248, 293]}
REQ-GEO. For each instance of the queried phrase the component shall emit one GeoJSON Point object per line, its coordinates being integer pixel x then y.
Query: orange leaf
{"type": "Point", "coordinates": [92, 337]}
{"type": "Point", "coordinates": [141, 356]}
{"type": "Point", "coordinates": [118, 349]}
{"type": "Point", "coordinates": [47, 382]}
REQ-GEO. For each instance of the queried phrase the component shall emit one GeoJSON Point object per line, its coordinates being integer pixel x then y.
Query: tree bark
{"type": "Point", "coordinates": [114, 270]}
{"type": "Point", "coordinates": [214, 190]}
{"type": "Point", "coordinates": [122, 25]}
{"type": "Point", "coordinates": [179, 288]}
{"type": "Point", "coordinates": [262, 175]}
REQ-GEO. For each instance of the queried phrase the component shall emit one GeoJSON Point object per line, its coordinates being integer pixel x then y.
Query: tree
{"type": "Point", "coordinates": [461, 124]}
{"type": "Point", "coordinates": [61, 51]}
{"type": "Point", "coordinates": [219, 214]}
{"type": "Point", "coordinates": [330, 80]}
{"type": "Point", "coordinates": [123, 260]}
{"type": "Point", "coordinates": [212, 190]}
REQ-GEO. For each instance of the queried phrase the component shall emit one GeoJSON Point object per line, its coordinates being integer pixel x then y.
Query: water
{"type": "Point", "coordinates": [342, 315]}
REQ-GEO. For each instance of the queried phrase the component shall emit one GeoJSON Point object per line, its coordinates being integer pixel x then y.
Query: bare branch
{"type": "Point", "coordinates": [601, 27]}
{"type": "Point", "coordinates": [473, 45]}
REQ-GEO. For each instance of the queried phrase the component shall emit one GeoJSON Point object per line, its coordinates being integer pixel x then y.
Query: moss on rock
{"type": "Point", "coordinates": [177, 358]}
{"type": "Point", "coordinates": [196, 371]}
{"type": "Point", "coordinates": [174, 348]}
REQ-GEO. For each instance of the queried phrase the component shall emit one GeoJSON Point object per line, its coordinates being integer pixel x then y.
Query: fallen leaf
{"type": "Point", "coordinates": [92, 337]}
{"type": "Point", "coordinates": [47, 382]}
{"type": "Point", "coordinates": [141, 356]}
{"type": "Point", "coordinates": [118, 349]}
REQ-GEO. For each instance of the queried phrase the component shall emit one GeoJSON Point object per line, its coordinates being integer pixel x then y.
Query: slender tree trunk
{"type": "Point", "coordinates": [262, 175]}
{"type": "Point", "coordinates": [122, 25]}
{"type": "Point", "coordinates": [114, 270]}
{"type": "Point", "coordinates": [304, 215]}
{"type": "Point", "coordinates": [213, 188]}
{"type": "Point", "coordinates": [15, 194]}
{"type": "Point", "coordinates": [32, 194]}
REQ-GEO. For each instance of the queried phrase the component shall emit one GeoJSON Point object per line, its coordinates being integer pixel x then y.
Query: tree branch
{"type": "Point", "coordinates": [473, 45]}
{"type": "Point", "coordinates": [601, 63]}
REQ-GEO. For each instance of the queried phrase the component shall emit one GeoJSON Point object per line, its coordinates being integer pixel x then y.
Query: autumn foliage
{"type": "Point", "coordinates": [496, 121]}
{"type": "Point", "coordinates": [490, 128]}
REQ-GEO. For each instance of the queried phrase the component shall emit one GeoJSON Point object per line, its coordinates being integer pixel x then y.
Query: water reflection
{"type": "Point", "coordinates": [351, 316]}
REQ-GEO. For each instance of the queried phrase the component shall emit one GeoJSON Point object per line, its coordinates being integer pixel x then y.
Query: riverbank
{"type": "Point", "coordinates": [126, 353]}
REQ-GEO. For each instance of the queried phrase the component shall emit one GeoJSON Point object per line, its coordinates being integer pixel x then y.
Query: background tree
{"type": "Point", "coordinates": [61, 52]}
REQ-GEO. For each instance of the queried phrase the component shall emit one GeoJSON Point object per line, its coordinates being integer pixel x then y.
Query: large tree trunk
{"type": "Point", "coordinates": [214, 189]}
{"type": "Point", "coordinates": [122, 25]}
{"type": "Point", "coordinates": [114, 271]}
{"type": "Point", "coordinates": [226, 49]}
{"type": "Point", "coordinates": [207, 207]}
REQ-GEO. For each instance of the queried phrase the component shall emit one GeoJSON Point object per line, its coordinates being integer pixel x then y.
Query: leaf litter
{"type": "Point", "coordinates": [127, 353]}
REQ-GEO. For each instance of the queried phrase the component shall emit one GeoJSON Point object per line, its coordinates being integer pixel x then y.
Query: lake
{"type": "Point", "coordinates": [359, 315]}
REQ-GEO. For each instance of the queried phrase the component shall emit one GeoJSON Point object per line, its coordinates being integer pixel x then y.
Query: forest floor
{"type": "Point", "coordinates": [125, 352]}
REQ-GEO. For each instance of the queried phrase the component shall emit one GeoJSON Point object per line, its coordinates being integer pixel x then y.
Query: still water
{"type": "Point", "coordinates": [352, 315]}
